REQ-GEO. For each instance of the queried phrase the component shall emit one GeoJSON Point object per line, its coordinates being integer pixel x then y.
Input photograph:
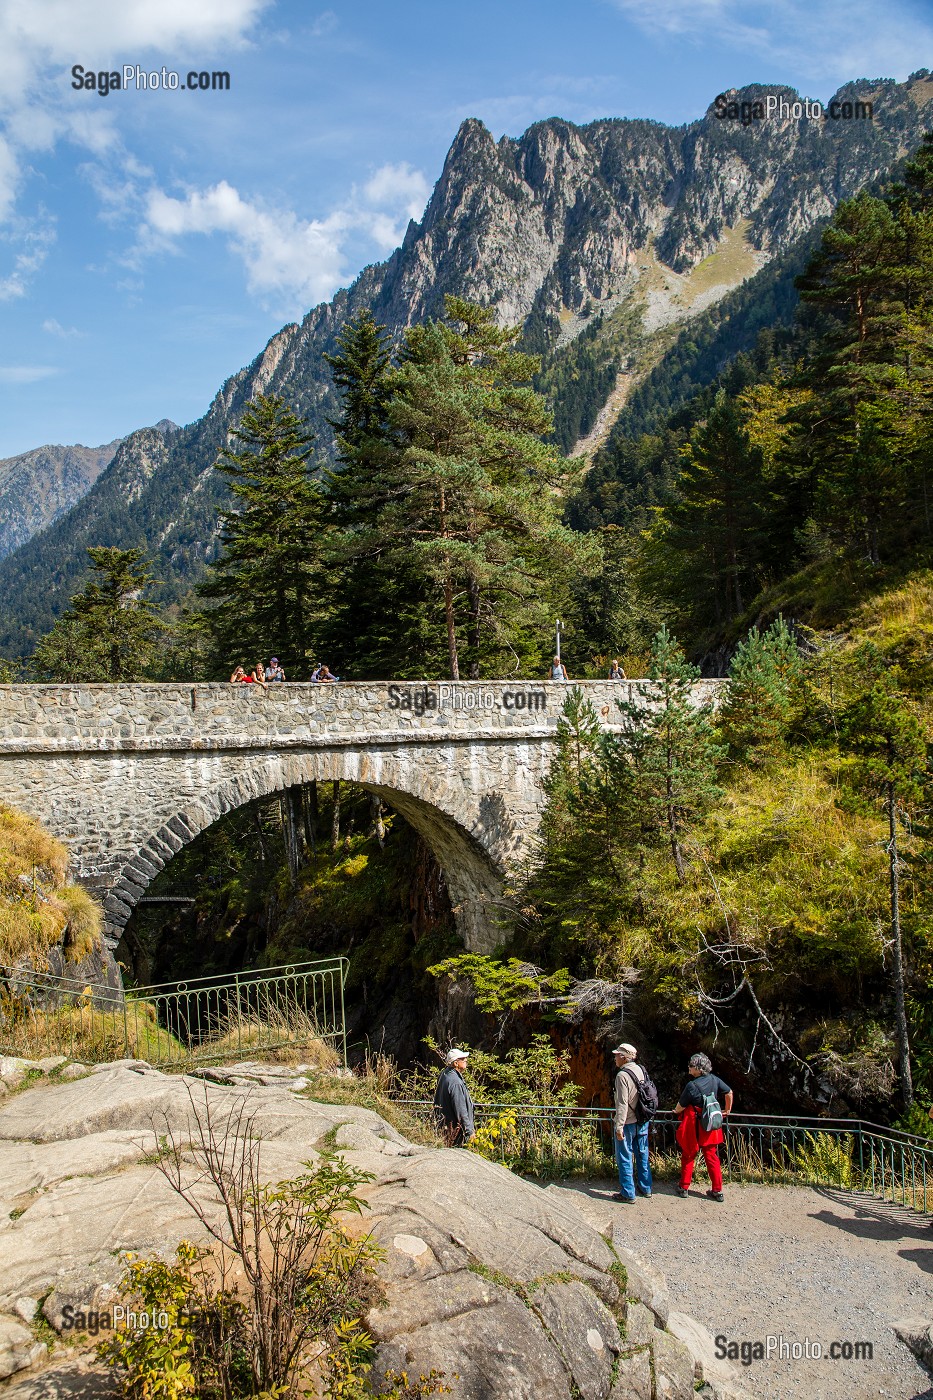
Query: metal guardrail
{"type": "Point", "coordinates": [558, 1140]}
{"type": "Point", "coordinates": [174, 1023]}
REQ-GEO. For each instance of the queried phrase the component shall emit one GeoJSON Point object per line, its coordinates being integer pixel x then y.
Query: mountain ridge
{"type": "Point", "coordinates": [549, 227]}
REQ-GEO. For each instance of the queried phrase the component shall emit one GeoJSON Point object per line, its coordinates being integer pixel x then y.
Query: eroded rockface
{"type": "Point", "coordinates": [548, 227]}
{"type": "Point", "coordinates": [501, 1284]}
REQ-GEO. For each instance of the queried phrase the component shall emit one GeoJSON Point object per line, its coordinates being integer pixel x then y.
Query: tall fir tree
{"type": "Point", "coordinates": [110, 631]}
{"type": "Point", "coordinates": [706, 546]}
{"type": "Point", "coordinates": [268, 582]}
{"type": "Point", "coordinates": [471, 501]}
{"type": "Point", "coordinates": [669, 752]}
{"type": "Point", "coordinates": [764, 681]}
{"type": "Point", "coordinates": [381, 625]}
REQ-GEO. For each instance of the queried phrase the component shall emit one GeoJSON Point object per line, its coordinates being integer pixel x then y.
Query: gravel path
{"type": "Point", "coordinates": [793, 1262]}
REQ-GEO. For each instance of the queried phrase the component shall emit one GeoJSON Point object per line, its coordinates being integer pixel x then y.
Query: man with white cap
{"type": "Point", "coordinates": [453, 1107]}
{"type": "Point", "coordinates": [631, 1136]}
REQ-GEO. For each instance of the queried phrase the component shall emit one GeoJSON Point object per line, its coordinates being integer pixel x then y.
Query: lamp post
{"type": "Point", "coordinates": [557, 640]}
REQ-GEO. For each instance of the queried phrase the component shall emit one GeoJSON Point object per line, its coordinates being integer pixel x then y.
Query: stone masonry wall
{"type": "Point", "coordinates": [128, 774]}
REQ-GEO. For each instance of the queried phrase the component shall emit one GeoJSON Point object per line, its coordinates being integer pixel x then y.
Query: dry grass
{"type": "Point", "coordinates": [372, 1086]}
{"type": "Point", "coordinates": [84, 1032]}
{"type": "Point", "coordinates": [305, 1043]}
{"type": "Point", "coordinates": [28, 850]}
{"type": "Point", "coordinates": [37, 909]}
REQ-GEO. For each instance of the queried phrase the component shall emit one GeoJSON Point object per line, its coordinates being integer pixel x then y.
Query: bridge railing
{"type": "Point", "coordinates": [174, 1024]}
{"type": "Point", "coordinates": [559, 1141]}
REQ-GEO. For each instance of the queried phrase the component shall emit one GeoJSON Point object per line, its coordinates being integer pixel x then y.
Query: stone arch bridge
{"type": "Point", "coordinates": [128, 774]}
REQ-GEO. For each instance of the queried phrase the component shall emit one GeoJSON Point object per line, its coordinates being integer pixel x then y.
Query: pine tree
{"type": "Point", "coordinates": [271, 588]}
{"type": "Point", "coordinates": [707, 543]}
{"type": "Point", "coordinates": [669, 749]}
{"type": "Point", "coordinates": [764, 683]}
{"type": "Point", "coordinates": [850, 427]}
{"type": "Point", "coordinates": [381, 624]}
{"type": "Point", "coordinates": [588, 840]}
{"type": "Point", "coordinates": [880, 728]}
{"type": "Point", "coordinates": [110, 632]}
{"type": "Point", "coordinates": [469, 499]}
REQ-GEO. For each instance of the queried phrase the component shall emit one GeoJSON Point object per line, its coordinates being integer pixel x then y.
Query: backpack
{"type": "Point", "coordinates": [646, 1105]}
{"type": "Point", "coordinates": [709, 1114]}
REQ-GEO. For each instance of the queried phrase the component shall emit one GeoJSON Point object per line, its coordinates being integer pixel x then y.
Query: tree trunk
{"type": "Point", "coordinates": [676, 851]}
{"type": "Point", "coordinates": [473, 627]}
{"type": "Point", "coordinates": [375, 804]}
{"type": "Point", "coordinates": [900, 1003]}
{"type": "Point", "coordinates": [449, 601]}
{"type": "Point", "coordinates": [310, 815]}
{"type": "Point", "coordinates": [335, 817]}
{"type": "Point", "coordinates": [292, 828]}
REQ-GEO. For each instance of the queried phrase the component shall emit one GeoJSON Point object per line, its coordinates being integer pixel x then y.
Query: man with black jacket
{"type": "Point", "coordinates": [453, 1107]}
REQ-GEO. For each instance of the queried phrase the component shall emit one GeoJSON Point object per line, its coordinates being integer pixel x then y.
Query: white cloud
{"type": "Point", "coordinates": [35, 239]}
{"type": "Point", "coordinates": [291, 261]}
{"type": "Point", "coordinates": [398, 186]}
{"type": "Point", "coordinates": [325, 23]}
{"type": "Point", "coordinates": [53, 327]}
{"type": "Point", "coordinates": [40, 40]}
{"type": "Point", "coordinates": [830, 43]}
{"type": "Point", "coordinates": [25, 374]}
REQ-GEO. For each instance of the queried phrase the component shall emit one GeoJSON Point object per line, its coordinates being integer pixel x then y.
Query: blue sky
{"type": "Point", "coordinates": [151, 242]}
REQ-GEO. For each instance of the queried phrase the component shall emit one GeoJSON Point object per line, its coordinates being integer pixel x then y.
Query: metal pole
{"type": "Point", "coordinates": [557, 639]}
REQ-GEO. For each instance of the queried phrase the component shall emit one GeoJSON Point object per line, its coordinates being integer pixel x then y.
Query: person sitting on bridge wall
{"type": "Point", "coordinates": [453, 1106]}
{"type": "Point", "coordinates": [706, 1100]}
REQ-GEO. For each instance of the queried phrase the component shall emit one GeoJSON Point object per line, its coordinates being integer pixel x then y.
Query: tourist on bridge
{"type": "Point", "coordinates": [704, 1103]}
{"type": "Point", "coordinates": [259, 673]}
{"type": "Point", "coordinates": [631, 1135]}
{"type": "Point", "coordinates": [616, 672]}
{"type": "Point", "coordinates": [242, 677]}
{"type": "Point", "coordinates": [453, 1107]}
{"type": "Point", "coordinates": [274, 670]}
{"type": "Point", "coordinates": [558, 670]}
{"type": "Point", "coordinates": [323, 676]}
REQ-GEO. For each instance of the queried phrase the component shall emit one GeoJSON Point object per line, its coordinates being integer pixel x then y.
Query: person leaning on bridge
{"type": "Point", "coordinates": [631, 1137]}
{"type": "Point", "coordinates": [704, 1103]}
{"type": "Point", "coordinates": [453, 1107]}
{"type": "Point", "coordinates": [558, 670]}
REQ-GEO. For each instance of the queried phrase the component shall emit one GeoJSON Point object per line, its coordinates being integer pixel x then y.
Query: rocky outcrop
{"type": "Point", "coordinates": [499, 1283]}
{"type": "Point", "coordinates": [39, 486]}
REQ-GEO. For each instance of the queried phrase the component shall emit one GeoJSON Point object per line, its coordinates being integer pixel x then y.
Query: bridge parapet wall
{"type": "Point", "coordinates": [107, 718]}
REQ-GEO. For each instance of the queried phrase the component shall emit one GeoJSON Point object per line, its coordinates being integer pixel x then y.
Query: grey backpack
{"type": "Point", "coordinates": [710, 1113]}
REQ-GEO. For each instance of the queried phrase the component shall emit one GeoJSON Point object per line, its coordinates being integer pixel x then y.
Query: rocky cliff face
{"type": "Point", "coordinates": [548, 227]}
{"type": "Point", "coordinates": [37, 487]}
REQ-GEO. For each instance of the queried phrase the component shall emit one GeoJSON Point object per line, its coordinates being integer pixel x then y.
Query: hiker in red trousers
{"type": "Point", "coordinates": [704, 1103]}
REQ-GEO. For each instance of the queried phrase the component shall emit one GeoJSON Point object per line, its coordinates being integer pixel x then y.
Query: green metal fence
{"type": "Point", "coordinates": [174, 1023]}
{"type": "Point", "coordinates": [556, 1141]}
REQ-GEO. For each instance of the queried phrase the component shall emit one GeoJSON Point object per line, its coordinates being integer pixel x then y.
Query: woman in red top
{"type": "Point", "coordinates": [691, 1136]}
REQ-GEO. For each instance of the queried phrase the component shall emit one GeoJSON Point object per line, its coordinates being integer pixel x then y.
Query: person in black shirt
{"type": "Point", "coordinates": [692, 1137]}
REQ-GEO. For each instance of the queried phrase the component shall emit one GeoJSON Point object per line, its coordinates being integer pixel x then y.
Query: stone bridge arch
{"type": "Point", "coordinates": [471, 860]}
{"type": "Point", "coordinates": [128, 774]}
